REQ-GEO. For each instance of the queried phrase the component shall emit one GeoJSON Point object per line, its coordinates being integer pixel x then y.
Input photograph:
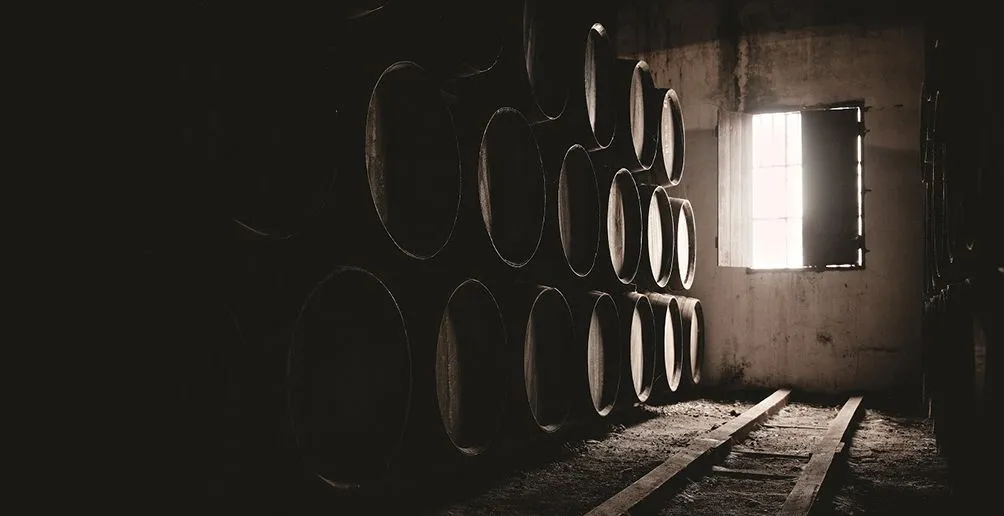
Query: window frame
{"type": "Point", "coordinates": [862, 189]}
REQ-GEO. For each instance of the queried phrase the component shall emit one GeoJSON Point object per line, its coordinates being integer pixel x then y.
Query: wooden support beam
{"type": "Point", "coordinates": [697, 453]}
{"type": "Point", "coordinates": [809, 483]}
{"type": "Point", "coordinates": [751, 473]}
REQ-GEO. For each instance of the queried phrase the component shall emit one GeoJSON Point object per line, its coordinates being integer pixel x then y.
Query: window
{"type": "Point", "coordinates": [777, 190]}
{"type": "Point", "coordinates": [790, 189]}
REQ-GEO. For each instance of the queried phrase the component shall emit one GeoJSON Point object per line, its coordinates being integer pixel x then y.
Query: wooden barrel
{"type": "Point", "coordinates": [412, 160]}
{"type": "Point", "coordinates": [470, 378]}
{"type": "Point", "coordinates": [929, 95]}
{"type": "Point", "coordinates": [355, 10]}
{"type": "Point", "coordinates": [269, 126]}
{"type": "Point", "coordinates": [927, 359]}
{"type": "Point", "coordinates": [511, 184]}
{"type": "Point", "coordinates": [597, 357]}
{"type": "Point", "coordinates": [684, 267]}
{"type": "Point", "coordinates": [548, 339]}
{"type": "Point", "coordinates": [938, 373]}
{"type": "Point", "coordinates": [468, 34]}
{"type": "Point", "coordinates": [381, 382]}
{"type": "Point", "coordinates": [578, 211]}
{"type": "Point", "coordinates": [546, 51]}
{"type": "Point", "coordinates": [668, 168]}
{"type": "Point", "coordinates": [536, 67]}
{"type": "Point", "coordinates": [598, 89]}
{"type": "Point", "coordinates": [451, 38]}
{"type": "Point", "coordinates": [940, 217]}
{"type": "Point", "coordinates": [669, 341]}
{"type": "Point", "coordinates": [638, 334]}
{"type": "Point", "coordinates": [692, 315]}
{"type": "Point", "coordinates": [638, 112]}
{"type": "Point", "coordinates": [624, 226]}
{"type": "Point", "coordinates": [929, 280]}
{"type": "Point", "coordinates": [209, 385]}
{"type": "Point", "coordinates": [660, 237]}
{"type": "Point", "coordinates": [541, 338]}
{"type": "Point", "coordinates": [349, 379]}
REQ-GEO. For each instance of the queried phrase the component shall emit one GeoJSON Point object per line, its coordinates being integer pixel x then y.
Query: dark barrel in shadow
{"type": "Point", "coordinates": [511, 186]}
{"type": "Point", "coordinates": [624, 226]}
{"type": "Point", "coordinates": [597, 90]}
{"type": "Point", "coordinates": [578, 211]}
{"type": "Point", "coordinates": [349, 379]}
{"type": "Point", "coordinates": [268, 131]}
{"type": "Point", "coordinates": [535, 69]}
{"type": "Point", "coordinates": [360, 9]}
{"type": "Point", "coordinates": [452, 38]}
{"type": "Point", "coordinates": [412, 160]}
{"type": "Point", "coordinates": [470, 381]}
{"type": "Point", "coordinates": [469, 33]}
{"type": "Point", "coordinates": [549, 338]}
{"type": "Point", "coordinates": [546, 51]}
{"type": "Point", "coordinates": [684, 267]}
{"type": "Point", "coordinates": [208, 404]}
{"type": "Point", "coordinates": [541, 338]}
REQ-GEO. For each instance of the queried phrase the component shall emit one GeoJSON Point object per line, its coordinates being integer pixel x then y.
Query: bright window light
{"type": "Point", "coordinates": [777, 191]}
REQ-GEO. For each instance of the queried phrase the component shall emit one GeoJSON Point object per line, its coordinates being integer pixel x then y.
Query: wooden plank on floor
{"type": "Point", "coordinates": [804, 427]}
{"type": "Point", "coordinates": [809, 483]}
{"type": "Point", "coordinates": [751, 473]}
{"type": "Point", "coordinates": [746, 451]}
{"type": "Point", "coordinates": [745, 422]}
{"type": "Point", "coordinates": [699, 450]}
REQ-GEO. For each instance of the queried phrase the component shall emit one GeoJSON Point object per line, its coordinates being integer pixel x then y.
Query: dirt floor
{"type": "Point", "coordinates": [892, 465]}
{"type": "Point", "coordinates": [594, 469]}
{"type": "Point", "coordinates": [720, 494]}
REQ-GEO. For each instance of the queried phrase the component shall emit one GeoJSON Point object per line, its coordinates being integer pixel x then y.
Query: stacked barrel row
{"type": "Point", "coordinates": [445, 232]}
{"type": "Point", "coordinates": [963, 262]}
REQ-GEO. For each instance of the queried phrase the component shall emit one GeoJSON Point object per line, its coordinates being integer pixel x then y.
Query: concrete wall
{"type": "Point", "coordinates": [829, 331]}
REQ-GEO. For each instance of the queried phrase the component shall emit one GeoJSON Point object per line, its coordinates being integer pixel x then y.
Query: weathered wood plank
{"type": "Point", "coordinates": [803, 427]}
{"type": "Point", "coordinates": [735, 187]}
{"type": "Point", "coordinates": [699, 451]}
{"type": "Point", "coordinates": [744, 423]}
{"type": "Point", "coordinates": [746, 451]}
{"type": "Point", "coordinates": [813, 477]}
{"type": "Point", "coordinates": [751, 473]}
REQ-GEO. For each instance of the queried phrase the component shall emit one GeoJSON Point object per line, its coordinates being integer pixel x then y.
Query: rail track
{"type": "Point", "coordinates": [728, 461]}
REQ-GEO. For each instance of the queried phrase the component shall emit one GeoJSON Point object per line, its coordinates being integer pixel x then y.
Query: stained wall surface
{"type": "Point", "coordinates": [818, 331]}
